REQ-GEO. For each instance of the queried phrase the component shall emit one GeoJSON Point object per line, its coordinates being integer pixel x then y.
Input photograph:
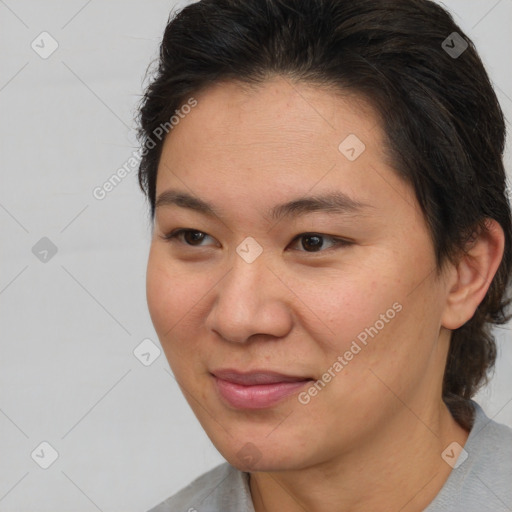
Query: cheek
{"type": "Point", "coordinates": [171, 294]}
{"type": "Point", "coordinates": [371, 319]}
{"type": "Point", "coordinates": [340, 305]}
{"type": "Point", "coordinates": [158, 294]}
{"type": "Point", "coordinates": [177, 297]}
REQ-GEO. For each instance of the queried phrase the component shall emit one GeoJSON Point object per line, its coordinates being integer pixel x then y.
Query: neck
{"type": "Point", "coordinates": [392, 471]}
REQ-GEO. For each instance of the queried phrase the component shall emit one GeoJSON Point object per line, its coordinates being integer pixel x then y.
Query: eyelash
{"type": "Point", "coordinates": [338, 242]}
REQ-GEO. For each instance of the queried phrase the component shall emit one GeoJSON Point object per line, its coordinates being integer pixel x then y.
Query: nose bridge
{"type": "Point", "coordinates": [245, 276]}
{"type": "Point", "coordinates": [250, 300]}
{"type": "Point", "coordinates": [246, 285]}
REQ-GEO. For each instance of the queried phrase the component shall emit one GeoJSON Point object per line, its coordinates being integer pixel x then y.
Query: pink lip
{"type": "Point", "coordinates": [256, 390]}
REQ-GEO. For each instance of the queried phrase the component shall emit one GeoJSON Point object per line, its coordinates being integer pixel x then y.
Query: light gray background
{"type": "Point", "coordinates": [125, 436]}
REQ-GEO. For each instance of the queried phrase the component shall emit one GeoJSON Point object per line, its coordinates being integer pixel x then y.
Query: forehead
{"type": "Point", "coordinates": [276, 121]}
{"type": "Point", "coordinates": [277, 140]}
{"type": "Point", "coordinates": [279, 111]}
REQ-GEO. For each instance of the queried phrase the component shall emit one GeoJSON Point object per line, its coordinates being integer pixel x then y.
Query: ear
{"type": "Point", "coordinates": [469, 280]}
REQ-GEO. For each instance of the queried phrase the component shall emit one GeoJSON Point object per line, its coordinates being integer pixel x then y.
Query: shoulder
{"type": "Point", "coordinates": [486, 432]}
{"type": "Point", "coordinates": [482, 480]}
{"type": "Point", "coordinates": [222, 488]}
{"type": "Point", "coordinates": [489, 449]}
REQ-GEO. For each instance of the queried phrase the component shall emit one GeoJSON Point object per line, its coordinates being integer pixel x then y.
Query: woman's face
{"type": "Point", "coordinates": [342, 302]}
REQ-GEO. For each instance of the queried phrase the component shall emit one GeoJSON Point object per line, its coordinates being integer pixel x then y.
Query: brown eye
{"type": "Point", "coordinates": [190, 237]}
{"type": "Point", "coordinates": [193, 237]}
{"type": "Point", "coordinates": [312, 242]}
{"type": "Point", "coordinates": [315, 242]}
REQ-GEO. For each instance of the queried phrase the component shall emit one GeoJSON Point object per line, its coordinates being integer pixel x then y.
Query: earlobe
{"type": "Point", "coordinates": [473, 275]}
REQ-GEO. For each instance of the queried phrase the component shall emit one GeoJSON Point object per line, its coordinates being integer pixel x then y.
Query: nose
{"type": "Point", "coordinates": [250, 301]}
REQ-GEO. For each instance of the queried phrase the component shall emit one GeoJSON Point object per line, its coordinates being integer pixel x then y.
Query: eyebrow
{"type": "Point", "coordinates": [334, 202]}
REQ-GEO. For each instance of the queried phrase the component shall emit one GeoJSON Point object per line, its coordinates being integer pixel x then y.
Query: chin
{"type": "Point", "coordinates": [254, 454]}
{"type": "Point", "coordinates": [249, 465]}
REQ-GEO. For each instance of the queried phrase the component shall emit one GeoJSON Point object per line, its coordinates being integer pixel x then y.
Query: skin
{"type": "Point", "coordinates": [372, 438]}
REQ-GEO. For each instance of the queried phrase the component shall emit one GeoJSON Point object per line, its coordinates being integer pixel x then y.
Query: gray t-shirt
{"type": "Point", "coordinates": [481, 483]}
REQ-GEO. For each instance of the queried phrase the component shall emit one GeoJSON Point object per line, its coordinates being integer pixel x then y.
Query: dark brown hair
{"type": "Point", "coordinates": [444, 127]}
